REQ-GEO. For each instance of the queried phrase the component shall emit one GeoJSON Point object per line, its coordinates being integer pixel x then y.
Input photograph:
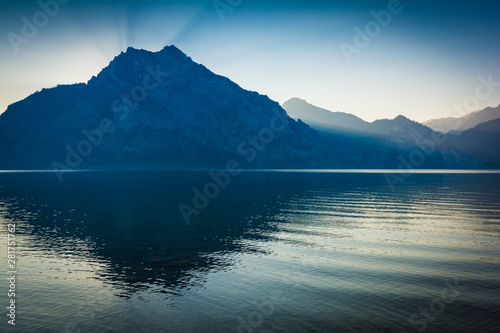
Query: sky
{"type": "Point", "coordinates": [375, 59]}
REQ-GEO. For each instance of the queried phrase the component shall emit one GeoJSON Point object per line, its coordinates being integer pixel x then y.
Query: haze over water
{"type": "Point", "coordinates": [275, 251]}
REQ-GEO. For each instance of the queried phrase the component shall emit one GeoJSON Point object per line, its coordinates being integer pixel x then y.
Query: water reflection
{"type": "Point", "coordinates": [337, 245]}
{"type": "Point", "coordinates": [130, 225]}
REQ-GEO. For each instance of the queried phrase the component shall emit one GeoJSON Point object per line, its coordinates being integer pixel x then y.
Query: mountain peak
{"type": "Point", "coordinates": [171, 48]}
{"type": "Point", "coordinates": [168, 51]}
{"type": "Point", "coordinates": [165, 110]}
{"type": "Point", "coordinates": [295, 100]}
{"type": "Point", "coordinates": [322, 119]}
{"type": "Point", "coordinates": [401, 118]}
{"type": "Point", "coordinates": [132, 65]}
{"type": "Point", "coordinates": [463, 123]}
{"type": "Point", "coordinates": [133, 51]}
{"type": "Point", "coordinates": [174, 52]}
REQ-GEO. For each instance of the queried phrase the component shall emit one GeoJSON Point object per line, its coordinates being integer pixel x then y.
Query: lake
{"type": "Point", "coordinates": [254, 252]}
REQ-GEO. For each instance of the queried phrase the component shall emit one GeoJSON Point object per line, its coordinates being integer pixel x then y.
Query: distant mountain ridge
{"type": "Point", "coordinates": [399, 129]}
{"type": "Point", "coordinates": [481, 142]}
{"type": "Point", "coordinates": [460, 124]}
{"type": "Point", "coordinates": [404, 135]}
{"type": "Point", "coordinates": [323, 119]}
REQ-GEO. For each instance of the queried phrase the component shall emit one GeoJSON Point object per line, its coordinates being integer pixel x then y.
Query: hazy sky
{"type": "Point", "coordinates": [420, 60]}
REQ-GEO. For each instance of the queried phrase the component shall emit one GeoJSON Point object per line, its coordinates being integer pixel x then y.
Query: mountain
{"type": "Point", "coordinates": [460, 124]}
{"type": "Point", "coordinates": [481, 142]}
{"type": "Point", "coordinates": [323, 119]}
{"type": "Point", "coordinates": [154, 109]}
{"type": "Point", "coordinates": [400, 130]}
{"type": "Point", "coordinates": [161, 110]}
{"type": "Point", "coordinates": [378, 143]}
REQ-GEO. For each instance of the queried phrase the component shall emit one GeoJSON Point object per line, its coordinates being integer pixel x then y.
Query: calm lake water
{"type": "Point", "coordinates": [271, 252]}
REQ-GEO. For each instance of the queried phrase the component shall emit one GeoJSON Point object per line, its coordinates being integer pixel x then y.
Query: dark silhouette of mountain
{"type": "Point", "coordinates": [456, 125]}
{"type": "Point", "coordinates": [161, 110]}
{"type": "Point", "coordinates": [481, 142]}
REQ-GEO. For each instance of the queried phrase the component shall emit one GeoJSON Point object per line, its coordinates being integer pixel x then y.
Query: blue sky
{"type": "Point", "coordinates": [420, 61]}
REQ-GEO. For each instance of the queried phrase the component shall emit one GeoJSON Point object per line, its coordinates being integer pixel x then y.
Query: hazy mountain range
{"type": "Point", "coordinates": [473, 137]}
{"type": "Point", "coordinates": [162, 110]}
{"type": "Point", "coordinates": [457, 125]}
